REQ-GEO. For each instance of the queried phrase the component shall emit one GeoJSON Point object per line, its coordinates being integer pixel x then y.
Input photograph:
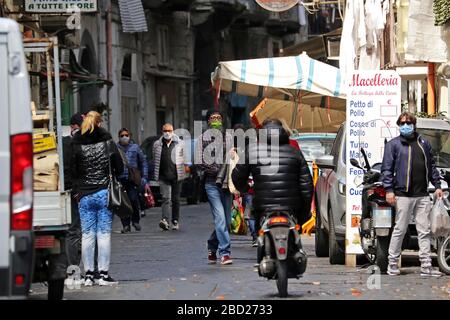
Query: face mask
{"type": "Point", "coordinates": [407, 130]}
{"type": "Point", "coordinates": [124, 140]}
{"type": "Point", "coordinates": [167, 135]}
{"type": "Point", "coordinates": [216, 124]}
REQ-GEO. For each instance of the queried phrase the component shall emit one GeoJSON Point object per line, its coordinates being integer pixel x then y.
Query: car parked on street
{"type": "Point", "coordinates": [331, 189]}
{"type": "Point", "coordinates": [314, 144]}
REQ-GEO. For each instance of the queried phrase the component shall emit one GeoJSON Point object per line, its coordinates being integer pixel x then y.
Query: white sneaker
{"type": "Point", "coordinates": [106, 280]}
{"type": "Point", "coordinates": [88, 281]}
{"type": "Point", "coordinates": [430, 272]}
{"type": "Point", "coordinates": [393, 270]}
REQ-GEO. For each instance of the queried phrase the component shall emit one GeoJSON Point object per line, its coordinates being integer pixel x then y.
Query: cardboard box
{"type": "Point", "coordinates": [46, 171]}
{"type": "Point", "coordinates": [43, 142]}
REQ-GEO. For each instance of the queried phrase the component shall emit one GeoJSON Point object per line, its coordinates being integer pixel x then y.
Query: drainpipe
{"type": "Point", "coordinates": [431, 93]}
{"type": "Point", "coordinates": [108, 57]}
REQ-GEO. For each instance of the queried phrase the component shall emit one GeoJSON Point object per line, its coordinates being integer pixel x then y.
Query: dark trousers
{"type": "Point", "coordinates": [133, 194]}
{"type": "Point", "coordinates": [73, 242]}
{"type": "Point", "coordinates": [170, 191]}
{"type": "Point", "coordinates": [73, 238]}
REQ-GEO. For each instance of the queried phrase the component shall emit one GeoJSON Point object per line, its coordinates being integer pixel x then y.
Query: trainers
{"type": "Point", "coordinates": [393, 270]}
{"type": "Point", "coordinates": [89, 279]}
{"type": "Point", "coordinates": [226, 260]}
{"type": "Point", "coordinates": [429, 272]}
{"type": "Point", "coordinates": [137, 226]}
{"type": "Point", "coordinates": [212, 257]}
{"type": "Point", "coordinates": [142, 214]}
{"type": "Point", "coordinates": [255, 243]}
{"type": "Point", "coordinates": [163, 224]}
{"type": "Point", "coordinates": [126, 229]}
{"type": "Point", "coordinates": [175, 225]}
{"type": "Point", "coordinates": [106, 280]}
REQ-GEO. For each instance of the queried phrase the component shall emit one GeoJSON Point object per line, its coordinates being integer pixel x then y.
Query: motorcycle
{"type": "Point", "coordinates": [279, 254]}
{"type": "Point", "coordinates": [377, 218]}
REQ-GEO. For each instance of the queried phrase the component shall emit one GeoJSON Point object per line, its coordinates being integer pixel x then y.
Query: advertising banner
{"type": "Point", "coordinates": [373, 106]}
{"type": "Point", "coordinates": [60, 6]}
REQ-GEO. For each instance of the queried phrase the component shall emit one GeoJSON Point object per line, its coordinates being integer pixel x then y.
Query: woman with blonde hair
{"type": "Point", "coordinates": [94, 154]}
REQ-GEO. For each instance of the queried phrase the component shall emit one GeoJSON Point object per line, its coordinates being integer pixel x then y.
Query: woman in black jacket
{"type": "Point", "coordinates": [93, 150]}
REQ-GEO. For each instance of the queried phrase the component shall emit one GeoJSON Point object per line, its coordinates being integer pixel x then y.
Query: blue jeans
{"type": "Point", "coordinates": [133, 194]}
{"type": "Point", "coordinates": [220, 201]}
{"type": "Point", "coordinates": [96, 226]}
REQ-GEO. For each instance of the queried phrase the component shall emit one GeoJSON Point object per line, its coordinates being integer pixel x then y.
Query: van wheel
{"type": "Point", "coordinates": [55, 289]}
{"type": "Point", "coordinates": [321, 237]}
{"type": "Point", "coordinates": [337, 255]}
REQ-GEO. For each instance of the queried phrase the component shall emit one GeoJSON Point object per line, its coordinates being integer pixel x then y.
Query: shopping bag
{"type": "Point", "coordinates": [238, 225]}
{"type": "Point", "coordinates": [148, 196]}
{"type": "Point", "coordinates": [440, 219]}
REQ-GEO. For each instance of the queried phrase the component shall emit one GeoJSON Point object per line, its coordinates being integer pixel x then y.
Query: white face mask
{"type": "Point", "coordinates": [168, 135]}
{"type": "Point", "coordinates": [125, 140]}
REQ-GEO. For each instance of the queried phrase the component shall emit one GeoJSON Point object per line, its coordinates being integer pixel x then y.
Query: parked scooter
{"type": "Point", "coordinates": [280, 253]}
{"type": "Point", "coordinates": [377, 218]}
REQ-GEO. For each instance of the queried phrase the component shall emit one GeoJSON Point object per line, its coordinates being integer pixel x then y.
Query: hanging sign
{"type": "Point", "coordinates": [60, 6]}
{"type": "Point", "coordinates": [373, 106]}
{"type": "Point", "coordinates": [277, 5]}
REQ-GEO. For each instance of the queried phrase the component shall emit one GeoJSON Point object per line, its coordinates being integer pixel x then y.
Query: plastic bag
{"type": "Point", "coordinates": [238, 225]}
{"type": "Point", "coordinates": [440, 219]}
{"type": "Point", "coordinates": [148, 196]}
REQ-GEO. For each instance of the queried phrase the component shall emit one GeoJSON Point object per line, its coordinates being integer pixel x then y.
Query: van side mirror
{"type": "Point", "coordinates": [355, 163]}
{"type": "Point", "coordinates": [326, 162]}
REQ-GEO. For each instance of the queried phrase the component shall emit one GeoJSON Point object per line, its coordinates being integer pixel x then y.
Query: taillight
{"type": "Point", "coordinates": [380, 191]}
{"type": "Point", "coordinates": [276, 220]}
{"type": "Point", "coordinates": [21, 182]}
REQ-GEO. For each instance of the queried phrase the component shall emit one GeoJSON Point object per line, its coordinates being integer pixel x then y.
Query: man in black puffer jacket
{"type": "Point", "coordinates": [289, 188]}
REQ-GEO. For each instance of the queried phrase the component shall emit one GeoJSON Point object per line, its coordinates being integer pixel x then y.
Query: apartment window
{"type": "Point", "coordinates": [163, 45]}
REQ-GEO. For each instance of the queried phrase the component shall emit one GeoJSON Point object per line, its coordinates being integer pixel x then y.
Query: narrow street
{"type": "Point", "coordinates": [154, 264]}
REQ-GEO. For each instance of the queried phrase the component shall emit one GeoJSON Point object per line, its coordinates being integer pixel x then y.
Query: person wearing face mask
{"type": "Point", "coordinates": [170, 170]}
{"type": "Point", "coordinates": [133, 177]}
{"type": "Point", "coordinates": [408, 167]}
{"type": "Point", "coordinates": [219, 196]}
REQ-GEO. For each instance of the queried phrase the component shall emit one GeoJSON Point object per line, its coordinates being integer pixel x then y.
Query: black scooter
{"type": "Point", "coordinates": [378, 216]}
{"type": "Point", "coordinates": [279, 254]}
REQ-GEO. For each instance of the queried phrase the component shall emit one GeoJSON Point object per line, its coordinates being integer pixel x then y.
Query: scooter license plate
{"type": "Point", "coordinates": [382, 217]}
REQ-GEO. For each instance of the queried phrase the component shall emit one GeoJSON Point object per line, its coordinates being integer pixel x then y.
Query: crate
{"type": "Point", "coordinates": [43, 142]}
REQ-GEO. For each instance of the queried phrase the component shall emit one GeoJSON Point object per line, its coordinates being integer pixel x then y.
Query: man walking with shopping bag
{"type": "Point", "coordinates": [408, 166]}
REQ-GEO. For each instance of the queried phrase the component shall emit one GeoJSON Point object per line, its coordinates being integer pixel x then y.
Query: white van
{"type": "Point", "coordinates": [16, 166]}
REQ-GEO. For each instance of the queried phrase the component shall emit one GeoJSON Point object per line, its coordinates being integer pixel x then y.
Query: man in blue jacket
{"type": "Point", "coordinates": [137, 162]}
{"type": "Point", "coordinates": [408, 167]}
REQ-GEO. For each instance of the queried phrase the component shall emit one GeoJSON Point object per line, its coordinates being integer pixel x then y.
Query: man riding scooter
{"type": "Point", "coordinates": [282, 180]}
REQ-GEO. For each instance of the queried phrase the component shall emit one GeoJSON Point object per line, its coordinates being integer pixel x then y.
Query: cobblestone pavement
{"type": "Point", "coordinates": [153, 264]}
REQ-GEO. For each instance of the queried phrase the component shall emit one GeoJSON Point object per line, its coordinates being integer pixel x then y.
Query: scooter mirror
{"type": "Point", "coordinates": [355, 163]}
{"type": "Point", "coordinates": [359, 179]}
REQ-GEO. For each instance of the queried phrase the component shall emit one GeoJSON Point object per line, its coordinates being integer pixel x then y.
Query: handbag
{"type": "Point", "coordinates": [118, 201]}
{"type": "Point", "coordinates": [134, 175]}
